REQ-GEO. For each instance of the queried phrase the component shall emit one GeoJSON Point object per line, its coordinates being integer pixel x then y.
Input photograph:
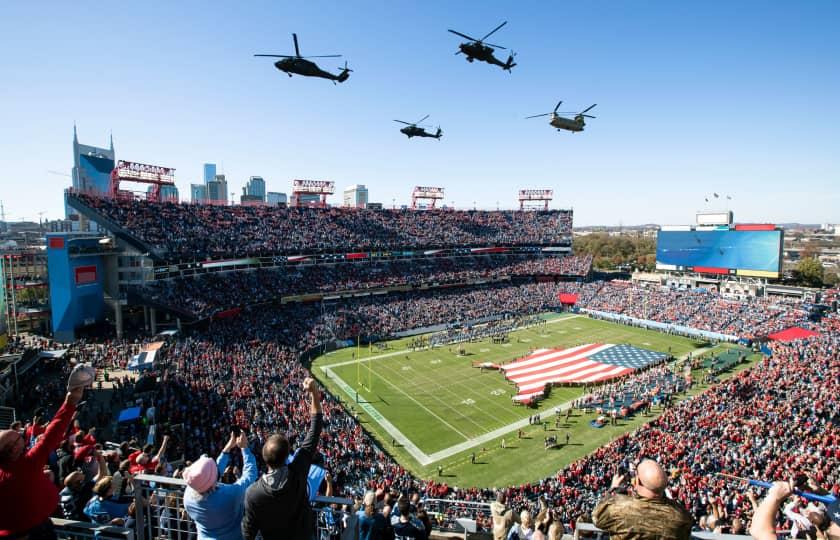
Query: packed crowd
{"type": "Point", "coordinates": [204, 295]}
{"type": "Point", "coordinates": [772, 421]}
{"type": "Point", "coordinates": [210, 231]}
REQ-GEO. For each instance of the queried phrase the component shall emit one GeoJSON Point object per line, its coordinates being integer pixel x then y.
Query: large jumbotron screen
{"type": "Point", "coordinates": [748, 253]}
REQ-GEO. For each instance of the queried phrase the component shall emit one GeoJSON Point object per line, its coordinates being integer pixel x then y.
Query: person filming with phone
{"type": "Point", "coordinates": [642, 510]}
{"type": "Point", "coordinates": [217, 508]}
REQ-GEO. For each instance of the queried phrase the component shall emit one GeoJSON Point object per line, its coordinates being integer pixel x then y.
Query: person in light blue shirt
{"type": "Point", "coordinates": [216, 508]}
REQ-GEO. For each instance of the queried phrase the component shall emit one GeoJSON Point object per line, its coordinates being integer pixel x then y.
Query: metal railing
{"type": "Point", "coordinates": [66, 529]}
{"type": "Point", "coordinates": [160, 514]}
{"type": "Point", "coordinates": [445, 514]}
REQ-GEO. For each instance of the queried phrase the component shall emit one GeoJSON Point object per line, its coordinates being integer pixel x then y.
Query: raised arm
{"type": "Point", "coordinates": [57, 427]}
{"type": "Point", "coordinates": [763, 524]}
{"type": "Point", "coordinates": [249, 469]}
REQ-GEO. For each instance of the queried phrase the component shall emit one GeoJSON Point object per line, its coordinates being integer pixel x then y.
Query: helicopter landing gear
{"type": "Point", "coordinates": [470, 59]}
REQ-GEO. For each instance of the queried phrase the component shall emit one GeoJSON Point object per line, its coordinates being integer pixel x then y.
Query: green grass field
{"type": "Point", "coordinates": [442, 409]}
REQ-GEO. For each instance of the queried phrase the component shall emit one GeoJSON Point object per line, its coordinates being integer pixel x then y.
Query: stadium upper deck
{"type": "Point", "coordinates": [181, 231]}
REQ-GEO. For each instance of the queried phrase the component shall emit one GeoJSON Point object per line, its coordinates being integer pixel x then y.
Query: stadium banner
{"type": "Point", "coordinates": [675, 228]}
{"type": "Point", "coordinates": [756, 273]}
{"type": "Point", "coordinates": [721, 249]}
{"type": "Point", "coordinates": [684, 330]}
{"type": "Point", "coordinates": [230, 262]}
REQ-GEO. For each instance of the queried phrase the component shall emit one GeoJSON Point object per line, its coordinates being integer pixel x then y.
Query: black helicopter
{"type": "Point", "coordinates": [299, 65]}
{"type": "Point", "coordinates": [412, 130]}
{"type": "Point", "coordinates": [476, 49]}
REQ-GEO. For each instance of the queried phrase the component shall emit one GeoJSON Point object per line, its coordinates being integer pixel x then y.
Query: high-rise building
{"type": "Point", "coordinates": [255, 187]}
{"type": "Point", "coordinates": [217, 190]}
{"type": "Point", "coordinates": [198, 193]}
{"type": "Point", "coordinates": [167, 193]}
{"type": "Point", "coordinates": [273, 198]}
{"type": "Point", "coordinates": [356, 196]}
{"type": "Point", "coordinates": [92, 168]}
{"type": "Point", "coordinates": [209, 172]}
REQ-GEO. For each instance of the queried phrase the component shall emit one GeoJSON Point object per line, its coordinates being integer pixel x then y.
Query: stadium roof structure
{"type": "Point", "coordinates": [792, 334]}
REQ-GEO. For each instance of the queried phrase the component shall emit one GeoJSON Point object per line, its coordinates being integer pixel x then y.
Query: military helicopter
{"type": "Point", "coordinates": [476, 49]}
{"type": "Point", "coordinates": [412, 130]}
{"type": "Point", "coordinates": [299, 65]}
{"type": "Point", "coordinates": [569, 124]}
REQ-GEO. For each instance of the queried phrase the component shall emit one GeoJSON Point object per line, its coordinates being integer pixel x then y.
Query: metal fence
{"type": "Point", "coordinates": [445, 514]}
{"type": "Point", "coordinates": [66, 529]}
{"type": "Point", "coordinates": [160, 514]}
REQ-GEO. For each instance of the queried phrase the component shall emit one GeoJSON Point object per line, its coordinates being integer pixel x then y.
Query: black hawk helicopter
{"type": "Point", "coordinates": [299, 65]}
{"type": "Point", "coordinates": [412, 130]}
{"type": "Point", "coordinates": [476, 49]}
{"type": "Point", "coordinates": [569, 124]}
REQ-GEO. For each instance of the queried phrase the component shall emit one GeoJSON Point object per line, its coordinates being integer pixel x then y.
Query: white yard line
{"type": "Point", "coordinates": [421, 457]}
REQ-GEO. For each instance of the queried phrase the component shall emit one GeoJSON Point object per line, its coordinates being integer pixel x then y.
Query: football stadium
{"type": "Point", "coordinates": [637, 341]}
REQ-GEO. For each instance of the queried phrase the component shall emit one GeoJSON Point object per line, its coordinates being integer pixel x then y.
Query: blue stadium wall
{"type": "Point", "coordinates": [76, 292]}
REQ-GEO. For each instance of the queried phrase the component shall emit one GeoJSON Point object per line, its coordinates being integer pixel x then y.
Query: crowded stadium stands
{"type": "Point", "coordinates": [196, 232]}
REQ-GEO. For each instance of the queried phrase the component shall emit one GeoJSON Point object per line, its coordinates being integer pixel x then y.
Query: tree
{"type": "Point", "coordinates": [811, 271]}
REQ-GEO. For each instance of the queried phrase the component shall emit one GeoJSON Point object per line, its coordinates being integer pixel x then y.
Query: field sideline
{"type": "Point", "coordinates": [439, 410]}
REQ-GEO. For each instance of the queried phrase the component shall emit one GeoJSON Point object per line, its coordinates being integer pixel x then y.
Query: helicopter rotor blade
{"type": "Point", "coordinates": [275, 55]}
{"type": "Point", "coordinates": [417, 122]}
{"type": "Point", "coordinates": [497, 46]}
{"type": "Point", "coordinates": [558, 105]}
{"type": "Point", "coordinates": [401, 122]}
{"type": "Point", "coordinates": [493, 31]}
{"type": "Point", "coordinates": [323, 56]}
{"type": "Point", "coordinates": [588, 108]}
{"type": "Point", "coordinates": [297, 49]}
{"type": "Point", "coordinates": [538, 115]}
{"type": "Point", "coordinates": [465, 36]}
{"type": "Point", "coordinates": [588, 115]}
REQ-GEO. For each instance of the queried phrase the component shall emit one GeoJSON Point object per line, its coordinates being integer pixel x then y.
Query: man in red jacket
{"type": "Point", "coordinates": [26, 494]}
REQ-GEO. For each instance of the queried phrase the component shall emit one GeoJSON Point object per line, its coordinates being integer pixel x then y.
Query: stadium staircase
{"type": "Point", "coordinates": [118, 231]}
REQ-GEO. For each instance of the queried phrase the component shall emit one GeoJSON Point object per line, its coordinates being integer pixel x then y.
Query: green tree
{"type": "Point", "coordinates": [811, 272]}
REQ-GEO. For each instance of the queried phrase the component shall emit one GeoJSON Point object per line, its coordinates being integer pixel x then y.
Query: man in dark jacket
{"type": "Point", "coordinates": [277, 505]}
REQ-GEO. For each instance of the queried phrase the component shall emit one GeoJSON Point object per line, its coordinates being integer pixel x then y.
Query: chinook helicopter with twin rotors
{"type": "Point", "coordinates": [299, 65]}
{"type": "Point", "coordinates": [476, 49]}
{"type": "Point", "coordinates": [574, 124]}
{"type": "Point", "coordinates": [413, 130]}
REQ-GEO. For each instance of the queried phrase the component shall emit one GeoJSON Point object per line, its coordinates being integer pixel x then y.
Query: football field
{"type": "Point", "coordinates": [432, 408]}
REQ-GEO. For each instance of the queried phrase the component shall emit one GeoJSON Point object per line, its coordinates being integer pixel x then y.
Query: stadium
{"type": "Point", "coordinates": [463, 354]}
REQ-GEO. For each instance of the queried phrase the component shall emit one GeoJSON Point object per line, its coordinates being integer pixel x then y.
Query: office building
{"type": "Point", "coordinates": [273, 198]}
{"type": "Point", "coordinates": [167, 193]}
{"type": "Point", "coordinates": [198, 193]}
{"type": "Point", "coordinates": [209, 172]}
{"type": "Point", "coordinates": [217, 190]}
{"type": "Point", "coordinates": [356, 196]}
{"type": "Point", "coordinates": [255, 187]}
{"type": "Point", "coordinates": [92, 168]}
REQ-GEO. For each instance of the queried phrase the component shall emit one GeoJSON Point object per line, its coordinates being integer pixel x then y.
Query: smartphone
{"type": "Point", "coordinates": [236, 430]}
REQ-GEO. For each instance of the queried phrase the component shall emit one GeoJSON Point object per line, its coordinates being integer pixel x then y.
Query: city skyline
{"type": "Point", "coordinates": [692, 100]}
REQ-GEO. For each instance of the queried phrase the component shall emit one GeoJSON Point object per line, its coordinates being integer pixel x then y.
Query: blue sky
{"type": "Point", "coordinates": [693, 98]}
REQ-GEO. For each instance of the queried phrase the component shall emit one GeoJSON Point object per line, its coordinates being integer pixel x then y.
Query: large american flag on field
{"type": "Point", "coordinates": [594, 362]}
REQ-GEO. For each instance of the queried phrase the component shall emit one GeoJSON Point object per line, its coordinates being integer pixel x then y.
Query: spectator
{"type": "Point", "coordinates": [103, 508]}
{"type": "Point", "coordinates": [646, 514]}
{"type": "Point", "coordinates": [502, 516]}
{"type": "Point", "coordinates": [405, 525]}
{"type": "Point", "coordinates": [78, 490]}
{"type": "Point", "coordinates": [763, 523]}
{"type": "Point", "coordinates": [23, 484]}
{"type": "Point", "coordinates": [278, 505]}
{"type": "Point", "coordinates": [217, 508]}
{"type": "Point", "coordinates": [372, 524]}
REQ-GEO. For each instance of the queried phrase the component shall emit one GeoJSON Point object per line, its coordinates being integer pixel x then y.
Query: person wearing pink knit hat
{"type": "Point", "coordinates": [216, 508]}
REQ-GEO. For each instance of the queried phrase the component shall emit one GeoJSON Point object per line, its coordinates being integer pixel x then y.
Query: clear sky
{"type": "Point", "coordinates": [739, 98]}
